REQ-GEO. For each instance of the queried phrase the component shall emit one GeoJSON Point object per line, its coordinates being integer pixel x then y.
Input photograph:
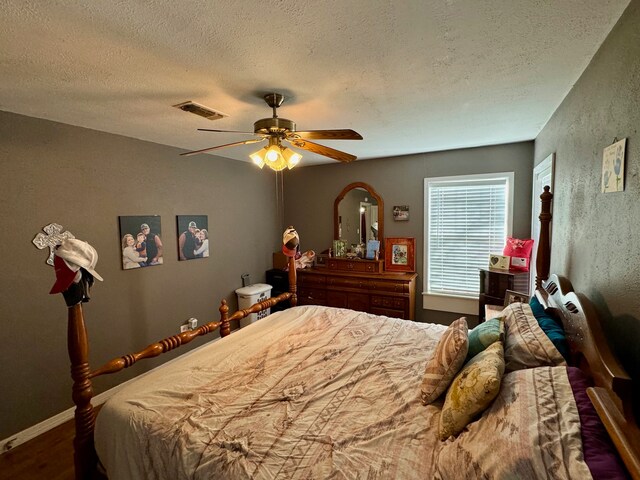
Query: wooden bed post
{"type": "Point", "coordinates": [543, 258]}
{"type": "Point", "coordinates": [225, 326]}
{"type": "Point", "coordinates": [293, 282]}
{"type": "Point", "coordinates": [85, 457]}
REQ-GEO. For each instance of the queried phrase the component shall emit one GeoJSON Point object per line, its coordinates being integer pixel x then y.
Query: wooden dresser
{"type": "Point", "coordinates": [389, 294]}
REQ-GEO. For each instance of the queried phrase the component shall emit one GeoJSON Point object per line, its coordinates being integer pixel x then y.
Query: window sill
{"type": "Point", "coordinates": [450, 303]}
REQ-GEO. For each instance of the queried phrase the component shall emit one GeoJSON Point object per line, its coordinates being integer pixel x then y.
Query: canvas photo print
{"type": "Point", "coordinates": [193, 237]}
{"type": "Point", "coordinates": [141, 241]}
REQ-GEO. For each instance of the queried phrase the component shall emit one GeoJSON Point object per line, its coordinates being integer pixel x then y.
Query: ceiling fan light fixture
{"type": "Point", "coordinates": [273, 153]}
{"type": "Point", "coordinates": [292, 158]}
{"type": "Point", "coordinates": [275, 156]}
{"type": "Point", "coordinates": [279, 163]}
{"type": "Point", "coordinates": [258, 157]}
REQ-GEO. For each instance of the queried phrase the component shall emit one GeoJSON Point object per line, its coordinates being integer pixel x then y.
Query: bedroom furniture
{"type": "Point", "coordinates": [349, 223]}
{"type": "Point", "coordinates": [389, 294]}
{"type": "Point", "coordinates": [355, 265]}
{"type": "Point", "coordinates": [495, 283]}
{"type": "Point", "coordinates": [313, 391]}
{"type": "Point", "coordinates": [279, 281]}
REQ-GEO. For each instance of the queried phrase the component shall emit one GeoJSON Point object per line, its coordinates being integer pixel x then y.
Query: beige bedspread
{"type": "Point", "coordinates": [316, 392]}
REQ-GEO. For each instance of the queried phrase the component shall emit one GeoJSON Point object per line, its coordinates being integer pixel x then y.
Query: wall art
{"type": "Point", "coordinates": [193, 237]}
{"type": "Point", "coordinates": [141, 241]}
{"type": "Point", "coordinates": [401, 213]}
{"type": "Point", "coordinates": [613, 166]}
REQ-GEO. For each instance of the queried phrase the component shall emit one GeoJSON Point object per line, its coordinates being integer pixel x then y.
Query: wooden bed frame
{"type": "Point", "coordinates": [611, 395]}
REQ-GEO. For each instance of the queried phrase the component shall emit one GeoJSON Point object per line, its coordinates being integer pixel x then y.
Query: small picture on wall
{"type": "Point", "coordinates": [613, 167]}
{"type": "Point", "coordinates": [140, 239]}
{"type": "Point", "coordinates": [401, 213]}
{"type": "Point", "coordinates": [193, 237]}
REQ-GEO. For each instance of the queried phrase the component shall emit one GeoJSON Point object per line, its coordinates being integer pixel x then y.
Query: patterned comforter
{"type": "Point", "coordinates": [314, 393]}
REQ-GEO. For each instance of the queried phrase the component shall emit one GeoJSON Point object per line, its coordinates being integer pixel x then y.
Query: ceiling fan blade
{"type": "Point", "coordinates": [322, 150]}
{"type": "Point", "coordinates": [224, 131]}
{"type": "Point", "coordinates": [246, 142]}
{"type": "Point", "coordinates": [344, 134]}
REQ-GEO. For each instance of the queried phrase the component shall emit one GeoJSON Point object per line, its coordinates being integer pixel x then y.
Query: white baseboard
{"type": "Point", "coordinates": [52, 422]}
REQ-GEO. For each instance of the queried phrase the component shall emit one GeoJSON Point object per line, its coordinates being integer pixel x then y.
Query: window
{"type": "Point", "coordinates": [466, 218]}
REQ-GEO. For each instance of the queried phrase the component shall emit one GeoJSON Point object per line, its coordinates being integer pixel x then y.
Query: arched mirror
{"type": "Point", "coordinates": [358, 215]}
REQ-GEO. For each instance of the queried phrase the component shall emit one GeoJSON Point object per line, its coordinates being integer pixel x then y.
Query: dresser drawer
{"type": "Point", "coordinates": [337, 299]}
{"type": "Point", "coordinates": [358, 301]}
{"type": "Point", "coordinates": [389, 286]}
{"type": "Point", "coordinates": [348, 282]}
{"type": "Point", "coordinates": [312, 296]}
{"type": "Point", "coordinates": [311, 280]}
{"type": "Point", "coordinates": [389, 302]}
{"type": "Point", "coordinates": [356, 266]}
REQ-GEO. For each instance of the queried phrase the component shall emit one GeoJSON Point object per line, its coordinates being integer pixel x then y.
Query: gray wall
{"type": "Point", "coordinates": [310, 193]}
{"type": "Point", "coordinates": [595, 235]}
{"type": "Point", "coordinates": [83, 180]}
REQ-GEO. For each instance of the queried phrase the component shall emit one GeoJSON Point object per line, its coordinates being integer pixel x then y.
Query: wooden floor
{"type": "Point", "coordinates": [47, 457]}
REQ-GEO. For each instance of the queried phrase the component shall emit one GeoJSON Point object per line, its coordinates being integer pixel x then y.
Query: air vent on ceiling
{"type": "Point", "coordinates": [196, 108]}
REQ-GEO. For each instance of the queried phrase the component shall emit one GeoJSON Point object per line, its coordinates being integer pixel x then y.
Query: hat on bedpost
{"type": "Point", "coordinates": [70, 257]}
{"type": "Point", "coordinates": [290, 242]}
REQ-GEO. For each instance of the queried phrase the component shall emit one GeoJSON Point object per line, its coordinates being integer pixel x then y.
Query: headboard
{"type": "Point", "coordinates": [612, 394]}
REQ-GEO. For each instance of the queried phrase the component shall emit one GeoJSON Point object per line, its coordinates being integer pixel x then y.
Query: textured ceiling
{"type": "Point", "coordinates": [410, 76]}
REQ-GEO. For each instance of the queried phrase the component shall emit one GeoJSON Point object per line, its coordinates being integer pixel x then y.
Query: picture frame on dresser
{"type": "Point", "coordinates": [399, 254]}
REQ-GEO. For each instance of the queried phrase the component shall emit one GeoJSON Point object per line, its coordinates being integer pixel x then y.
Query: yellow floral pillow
{"type": "Point", "coordinates": [472, 391]}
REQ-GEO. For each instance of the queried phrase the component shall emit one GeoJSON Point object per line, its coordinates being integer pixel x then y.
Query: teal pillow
{"type": "Point", "coordinates": [550, 327]}
{"type": "Point", "coordinates": [484, 335]}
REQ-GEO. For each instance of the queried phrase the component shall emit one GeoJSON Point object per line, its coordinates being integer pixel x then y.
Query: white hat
{"type": "Point", "coordinates": [78, 253]}
{"type": "Point", "coordinates": [290, 242]}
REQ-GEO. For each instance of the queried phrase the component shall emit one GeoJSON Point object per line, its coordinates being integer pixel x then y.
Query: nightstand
{"type": "Point", "coordinates": [279, 281]}
{"type": "Point", "coordinates": [495, 283]}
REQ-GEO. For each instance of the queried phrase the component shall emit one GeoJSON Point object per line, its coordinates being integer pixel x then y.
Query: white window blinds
{"type": "Point", "coordinates": [468, 218]}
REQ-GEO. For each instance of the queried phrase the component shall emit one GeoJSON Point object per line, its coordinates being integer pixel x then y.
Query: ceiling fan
{"type": "Point", "coordinates": [275, 130]}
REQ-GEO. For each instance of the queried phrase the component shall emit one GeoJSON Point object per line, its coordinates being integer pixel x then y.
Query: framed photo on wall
{"type": "Point", "coordinates": [401, 213]}
{"type": "Point", "coordinates": [140, 239]}
{"type": "Point", "coordinates": [399, 254]}
{"type": "Point", "coordinates": [193, 237]}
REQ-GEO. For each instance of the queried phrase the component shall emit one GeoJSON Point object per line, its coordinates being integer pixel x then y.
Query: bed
{"type": "Point", "coordinates": [319, 392]}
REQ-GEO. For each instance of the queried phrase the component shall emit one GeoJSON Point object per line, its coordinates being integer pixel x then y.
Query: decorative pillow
{"type": "Point", "coordinates": [520, 253]}
{"type": "Point", "coordinates": [551, 327]}
{"type": "Point", "coordinates": [530, 431]}
{"type": "Point", "coordinates": [447, 360]}
{"type": "Point", "coordinates": [526, 345]}
{"type": "Point", "coordinates": [472, 391]}
{"type": "Point", "coordinates": [484, 335]}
